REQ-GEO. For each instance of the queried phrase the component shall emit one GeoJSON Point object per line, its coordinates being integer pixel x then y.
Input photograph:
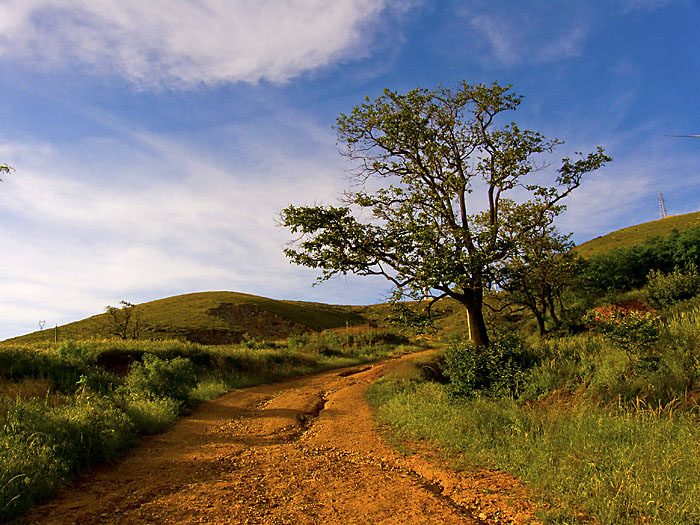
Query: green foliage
{"type": "Point", "coordinates": [634, 330]}
{"type": "Point", "coordinates": [539, 273]}
{"type": "Point", "coordinates": [628, 268]}
{"type": "Point", "coordinates": [664, 290]}
{"type": "Point", "coordinates": [4, 168]}
{"type": "Point", "coordinates": [497, 370]}
{"type": "Point", "coordinates": [429, 149]}
{"type": "Point", "coordinates": [62, 368]}
{"type": "Point", "coordinates": [40, 447]}
{"type": "Point", "coordinates": [161, 378]}
{"type": "Point", "coordinates": [359, 341]}
{"type": "Point", "coordinates": [150, 414]}
{"type": "Point", "coordinates": [420, 321]}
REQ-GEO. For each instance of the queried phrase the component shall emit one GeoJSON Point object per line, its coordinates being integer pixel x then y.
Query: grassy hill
{"type": "Point", "coordinates": [634, 235]}
{"type": "Point", "coordinates": [214, 317]}
{"type": "Point", "coordinates": [229, 317]}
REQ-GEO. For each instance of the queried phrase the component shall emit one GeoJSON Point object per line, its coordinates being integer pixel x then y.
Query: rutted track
{"type": "Point", "coordinates": [301, 451]}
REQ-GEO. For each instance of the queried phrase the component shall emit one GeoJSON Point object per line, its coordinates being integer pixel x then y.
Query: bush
{"type": "Point", "coordinates": [160, 378]}
{"type": "Point", "coordinates": [663, 290]}
{"type": "Point", "coordinates": [150, 415]}
{"type": "Point", "coordinates": [633, 329]}
{"type": "Point", "coordinates": [497, 370]}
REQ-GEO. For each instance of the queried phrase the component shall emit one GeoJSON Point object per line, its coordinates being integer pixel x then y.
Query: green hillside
{"type": "Point", "coordinates": [229, 317]}
{"type": "Point", "coordinates": [634, 235]}
{"type": "Point", "coordinates": [215, 317]}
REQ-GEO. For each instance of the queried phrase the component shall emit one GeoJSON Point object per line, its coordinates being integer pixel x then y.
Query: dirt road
{"type": "Point", "coordinates": [301, 451]}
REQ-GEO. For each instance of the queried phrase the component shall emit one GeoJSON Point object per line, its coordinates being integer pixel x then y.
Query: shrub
{"type": "Point", "coordinates": [298, 341]}
{"type": "Point", "coordinates": [159, 378]}
{"type": "Point", "coordinates": [634, 329]}
{"type": "Point", "coordinates": [150, 415]}
{"type": "Point", "coordinates": [75, 354]}
{"type": "Point", "coordinates": [496, 370]}
{"type": "Point", "coordinates": [663, 290]}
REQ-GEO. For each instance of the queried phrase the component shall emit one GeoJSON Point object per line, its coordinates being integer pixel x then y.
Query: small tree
{"type": "Point", "coordinates": [429, 150]}
{"type": "Point", "coordinates": [539, 273]}
{"type": "Point", "coordinates": [125, 320]}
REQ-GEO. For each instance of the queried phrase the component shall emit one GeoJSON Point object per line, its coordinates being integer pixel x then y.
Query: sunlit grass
{"type": "Point", "coordinates": [626, 465]}
{"type": "Point", "coordinates": [73, 404]}
{"type": "Point", "coordinates": [602, 430]}
{"type": "Point", "coordinates": [635, 235]}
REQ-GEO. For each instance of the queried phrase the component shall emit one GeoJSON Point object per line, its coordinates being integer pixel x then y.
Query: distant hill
{"type": "Point", "coordinates": [230, 317]}
{"type": "Point", "coordinates": [215, 318]}
{"type": "Point", "coordinates": [634, 235]}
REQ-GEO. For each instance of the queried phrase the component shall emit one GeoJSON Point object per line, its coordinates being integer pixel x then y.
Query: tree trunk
{"type": "Point", "coordinates": [477, 325]}
{"type": "Point", "coordinates": [540, 321]}
{"type": "Point", "coordinates": [552, 312]}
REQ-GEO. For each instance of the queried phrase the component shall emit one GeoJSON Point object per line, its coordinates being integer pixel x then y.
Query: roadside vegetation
{"type": "Point", "coordinates": [600, 416]}
{"type": "Point", "coordinates": [70, 405]}
{"type": "Point", "coordinates": [578, 375]}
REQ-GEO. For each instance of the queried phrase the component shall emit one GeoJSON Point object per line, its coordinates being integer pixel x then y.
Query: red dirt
{"type": "Point", "coordinates": [300, 451]}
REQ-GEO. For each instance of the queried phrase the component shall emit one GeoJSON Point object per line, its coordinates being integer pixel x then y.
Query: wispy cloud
{"type": "Point", "coordinates": [541, 35]}
{"type": "Point", "coordinates": [161, 42]}
{"type": "Point", "coordinates": [647, 5]}
{"type": "Point", "coordinates": [625, 192]}
{"type": "Point", "coordinates": [74, 240]}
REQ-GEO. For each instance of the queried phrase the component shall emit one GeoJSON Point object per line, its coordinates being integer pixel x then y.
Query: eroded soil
{"type": "Point", "coordinates": [301, 451]}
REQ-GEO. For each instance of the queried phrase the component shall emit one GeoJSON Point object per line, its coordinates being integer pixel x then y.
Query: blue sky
{"type": "Point", "coordinates": [155, 142]}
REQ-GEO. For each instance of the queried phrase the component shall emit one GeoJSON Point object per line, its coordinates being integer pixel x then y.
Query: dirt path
{"type": "Point", "coordinates": [301, 451]}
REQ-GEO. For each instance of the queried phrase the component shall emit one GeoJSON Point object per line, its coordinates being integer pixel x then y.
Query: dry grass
{"type": "Point", "coordinates": [26, 388]}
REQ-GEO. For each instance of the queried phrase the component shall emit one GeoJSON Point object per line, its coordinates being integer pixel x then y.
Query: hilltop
{"type": "Point", "coordinates": [215, 318]}
{"type": "Point", "coordinates": [634, 235]}
{"type": "Point", "coordinates": [230, 317]}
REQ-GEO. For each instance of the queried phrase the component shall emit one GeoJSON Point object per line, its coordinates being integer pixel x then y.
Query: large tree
{"type": "Point", "coordinates": [4, 168]}
{"type": "Point", "coordinates": [410, 215]}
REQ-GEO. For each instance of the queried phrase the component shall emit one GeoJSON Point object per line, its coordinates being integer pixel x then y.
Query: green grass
{"type": "Point", "coordinates": [66, 406]}
{"type": "Point", "coordinates": [611, 465]}
{"type": "Point", "coordinates": [602, 429]}
{"type": "Point", "coordinates": [635, 235]}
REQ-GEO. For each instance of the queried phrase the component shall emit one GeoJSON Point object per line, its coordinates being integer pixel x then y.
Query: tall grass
{"type": "Point", "coordinates": [602, 429]}
{"type": "Point", "coordinates": [613, 465]}
{"type": "Point", "coordinates": [99, 396]}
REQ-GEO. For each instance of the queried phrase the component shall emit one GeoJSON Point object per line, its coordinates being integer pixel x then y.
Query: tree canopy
{"type": "Point", "coordinates": [432, 206]}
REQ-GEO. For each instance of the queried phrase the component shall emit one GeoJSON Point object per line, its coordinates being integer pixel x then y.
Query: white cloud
{"type": "Point", "coordinates": [74, 239]}
{"type": "Point", "coordinates": [161, 42]}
